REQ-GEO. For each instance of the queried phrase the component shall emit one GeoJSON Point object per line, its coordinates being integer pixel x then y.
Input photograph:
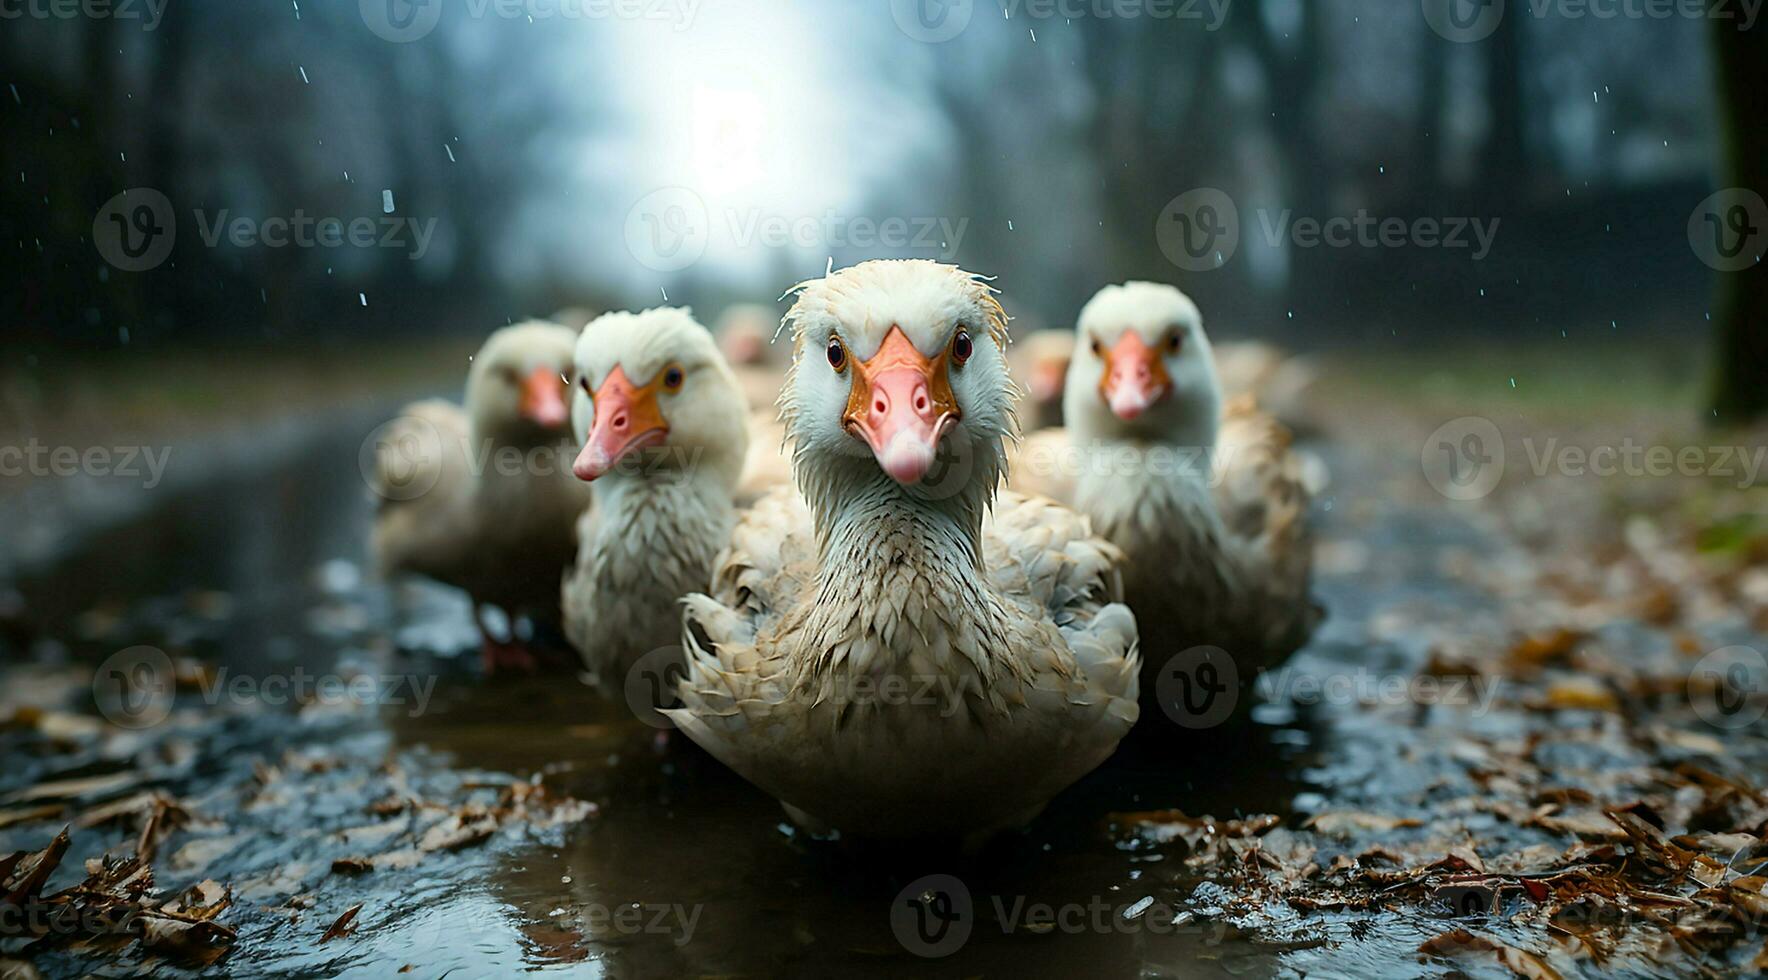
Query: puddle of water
{"type": "Point", "coordinates": [685, 868]}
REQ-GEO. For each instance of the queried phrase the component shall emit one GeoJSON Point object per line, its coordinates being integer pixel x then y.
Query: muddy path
{"type": "Point", "coordinates": [330, 746]}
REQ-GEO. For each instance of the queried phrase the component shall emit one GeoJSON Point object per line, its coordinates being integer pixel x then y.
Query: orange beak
{"type": "Point", "coordinates": [543, 399]}
{"type": "Point", "coordinates": [627, 418]}
{"type": "Point", "coordinates": [901, 404]}
{"type": "Point", "coordinates": [1135, 377]}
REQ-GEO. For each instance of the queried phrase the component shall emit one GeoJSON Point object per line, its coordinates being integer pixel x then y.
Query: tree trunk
{"type": "Point", "coordinates": [1741, 313]}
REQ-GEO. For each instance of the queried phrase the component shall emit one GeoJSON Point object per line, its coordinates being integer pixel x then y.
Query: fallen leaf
{"type": "Point", "coordinates": [1347, 822]}
{"type": "Point", "coordinates": [344, 924]}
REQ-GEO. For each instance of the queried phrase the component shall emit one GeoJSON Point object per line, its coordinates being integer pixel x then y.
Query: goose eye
{"type": "Point", "coordinates": [1174, 341]}
{"type": "Point", "coordinates": [673, 378]}
{"type": "Point", "coordinates": [837, 354]}
{"type": "Point", "coordinates": [583, 382]}
{"type": "Point", "coordinates": [1098, 348]}
{"type": "Point", "coordinates": [962, 347]}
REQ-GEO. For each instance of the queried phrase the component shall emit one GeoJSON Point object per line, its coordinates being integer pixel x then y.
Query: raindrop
{"type": "Point", "coordinates": [450, 151]}
{"type": "Point", "coordinates": [387, 201]}
{"type": "Point", "coordinates": [363, 297]}
{"type": "Point", "coordinates": [304, 79]}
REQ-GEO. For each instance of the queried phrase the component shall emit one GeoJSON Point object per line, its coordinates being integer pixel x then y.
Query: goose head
{"type": "Point", "coordinates": [655, 398]}
{"type": "Point", "coordinates": [517, 388]}
{"type": "Point", "coordinates": [1142, 369]}
{"type": "Point", "coordinates": [898, 387]}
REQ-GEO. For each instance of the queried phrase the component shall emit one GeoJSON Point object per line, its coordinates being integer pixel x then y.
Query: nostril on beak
{"type": "Point", "coordinates": [620, 421]}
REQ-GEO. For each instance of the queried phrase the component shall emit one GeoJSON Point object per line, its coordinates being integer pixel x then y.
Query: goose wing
{"type": "Point", "coordinates": [421, 477]}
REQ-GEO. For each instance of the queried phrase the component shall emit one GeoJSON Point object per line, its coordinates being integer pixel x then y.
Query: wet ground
{"type": "Point", "coordinates": [645, 857]}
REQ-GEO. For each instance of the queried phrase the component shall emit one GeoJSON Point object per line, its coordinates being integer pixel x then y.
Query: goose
{"type": "Point", "coordinates": [1203, 495]}
{"type": "Point", "coordinates": [1041, 359]}
{"type": "Point", "coordinates": [666, 442]}
{"type": "Point", "coordinates": [1279, 382]}
{"type": "Point", "coordinates": [875, 650]}
{"type": "Point", "coordinates": [478, 496]}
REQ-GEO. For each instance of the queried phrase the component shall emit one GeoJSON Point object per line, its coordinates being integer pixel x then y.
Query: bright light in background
{"type": "Point", "coordinates": [762, 112]}
{"type": "Point", "coordinates": [730, 127]}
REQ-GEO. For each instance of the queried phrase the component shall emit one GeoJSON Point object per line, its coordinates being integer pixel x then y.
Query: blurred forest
{"type": "Point", "coordinates": [1055, 142]}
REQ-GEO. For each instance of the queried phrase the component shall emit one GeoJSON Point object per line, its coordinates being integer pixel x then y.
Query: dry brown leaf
{"type": "Point", "coordinates": [344, 925]}
{"type": "Point", "coordinates": [1347, 822]}
{"type": "Point", "coordinates": [1459, 942]}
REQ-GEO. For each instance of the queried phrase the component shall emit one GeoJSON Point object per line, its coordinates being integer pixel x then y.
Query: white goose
{"type": "Point", "coordinates": [872, 653]}
{"type": "Point", "coordinates": [666, 443]}
{"type": "Point", "coordinates": [1207, 501]}
{"type": "Point", "coordinates": [479, 497]}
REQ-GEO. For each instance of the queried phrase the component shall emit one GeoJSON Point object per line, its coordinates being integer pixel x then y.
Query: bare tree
{"type": "Point", "coordinates": [1741, 58]}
